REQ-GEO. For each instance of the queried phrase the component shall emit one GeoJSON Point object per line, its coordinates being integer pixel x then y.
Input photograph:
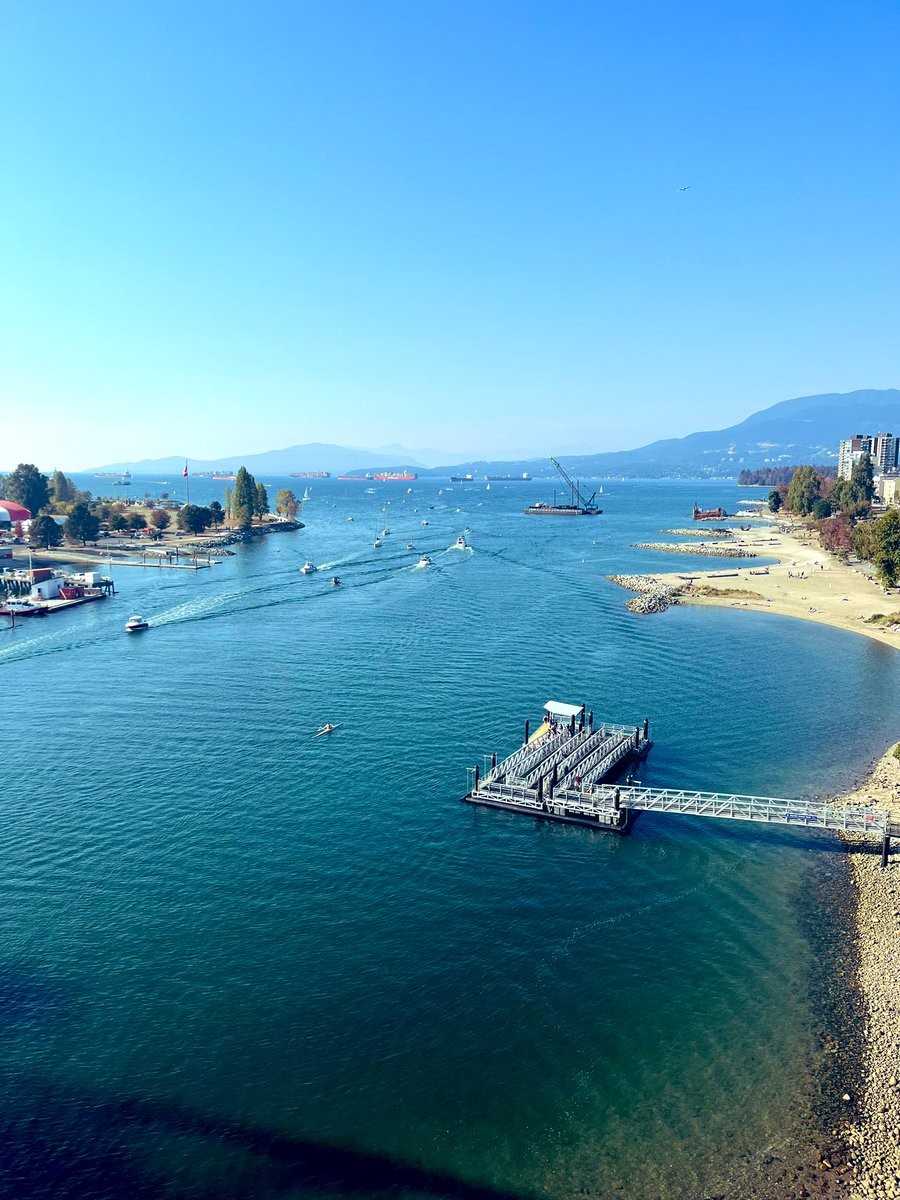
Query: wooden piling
{"type": "Point", "coordinates": [493, 762]}
{"type": "Point", "coordinates": [885, 849]}
{"type": "Point", "coordinates": [525, 743]}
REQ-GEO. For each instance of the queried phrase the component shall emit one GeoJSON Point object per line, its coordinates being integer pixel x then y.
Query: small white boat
{"type": "Point", "coordinates": [409, 491]}
{"type": "Point", "coordinates": [385, 532]}
{"type": "Point", "coordinates": [305, 496]}
{"type": "Point", "coordinates": [377, 542]}
{"type": "Point", "coordinates": [308, 568]}
{"type": "Point", "coordinates": [461, 543]}
{"type": "Point", "coordinates": [410, 546]}
{"type": "Point", "coordinates": [424, 561]}
{"type": "Point", "coordinates": [423, 522]}
{"type": "Point", "coordinates": [136, 624]}
{"type": "Point", "coordinates": [335, 581]}
{"type": "Point", "coordinates": [349, 518]}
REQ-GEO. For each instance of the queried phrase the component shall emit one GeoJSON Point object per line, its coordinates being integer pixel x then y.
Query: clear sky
{"type": "Point", "coordinates": [232, 227]}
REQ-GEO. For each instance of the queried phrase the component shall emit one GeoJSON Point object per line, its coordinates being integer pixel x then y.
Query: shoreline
{"type": "Point", "coordinates": [803, 581]}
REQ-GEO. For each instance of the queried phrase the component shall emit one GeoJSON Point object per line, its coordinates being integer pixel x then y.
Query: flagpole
{"type": "Point", "coordinates": [187, 482]}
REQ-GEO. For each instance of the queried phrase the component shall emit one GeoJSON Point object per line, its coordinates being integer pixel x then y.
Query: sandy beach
{"type": "Point", "coordinates": [806, 582]}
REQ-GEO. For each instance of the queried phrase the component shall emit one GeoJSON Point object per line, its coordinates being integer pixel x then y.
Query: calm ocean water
{"type": "Point", "coordinates": [238, 960]}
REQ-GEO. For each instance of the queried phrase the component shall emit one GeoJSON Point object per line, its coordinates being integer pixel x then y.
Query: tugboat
{"type": "Point", "coordinates": [136, 624]}
{"type": "Point", "coordinates": [308, 568]}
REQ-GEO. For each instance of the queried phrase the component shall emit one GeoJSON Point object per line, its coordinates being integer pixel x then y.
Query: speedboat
{"type": "Point", "coordinates": [461, 543]}
{"type": "Point", "coordinates": [335, 582]}
{"type": "Point", "coordinates": [424, 561]}
{"type": "Point", "coordinates": [349, 518]}
{"type": "Point", "coordinates": [136, 624]}
{"type": "Point", "coordinates": [377, 542]}
{"type": "Point", "coordinates": [410, 546]}
{"type": "Point", "coordinates": [423, 522]}
{"type": "Point", "coordinates": [308, 568]}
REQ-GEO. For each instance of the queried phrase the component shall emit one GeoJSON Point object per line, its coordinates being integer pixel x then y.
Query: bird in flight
{"type": "Point", "coordinates": [685, 189]}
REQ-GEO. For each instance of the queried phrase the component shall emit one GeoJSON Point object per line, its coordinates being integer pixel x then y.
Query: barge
{"type": "Point", "coordinates": [577, 506]}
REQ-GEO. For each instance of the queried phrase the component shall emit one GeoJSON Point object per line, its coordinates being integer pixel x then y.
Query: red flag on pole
{"type": "Point", "coordinates": [184, 472]}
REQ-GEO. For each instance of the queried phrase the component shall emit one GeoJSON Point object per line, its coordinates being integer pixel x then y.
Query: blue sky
{"type": "Point", "coordinates": [230, 227]}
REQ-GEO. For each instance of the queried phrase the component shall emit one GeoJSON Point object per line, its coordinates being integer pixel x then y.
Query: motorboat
{"type": "Point", "coordinates": [21, 608]}
{"type": "Point", "coordinates": [424, 561]}
{"type": "Point", "coordinates": [335, 581]}
{"type": "Point", "coordinates": [308, 568]}
{"type": "Point", "coordinates": [349, 518]}
{"type": "Point", "coordinates": [461, 543]}
{"type": "Point", "coordinates": [423, 522]}
{"type": "Point", "coordinates": [136, 624]}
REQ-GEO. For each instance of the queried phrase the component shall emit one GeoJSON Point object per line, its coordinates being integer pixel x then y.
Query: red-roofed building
{"type": "Point", "coordinates": [10, 513]}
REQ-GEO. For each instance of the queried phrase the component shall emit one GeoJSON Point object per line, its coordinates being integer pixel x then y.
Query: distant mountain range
{"type": "Point", "coordinates": [803, 430]}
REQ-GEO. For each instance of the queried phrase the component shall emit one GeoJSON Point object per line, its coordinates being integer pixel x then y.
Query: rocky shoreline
{"type": "Point", "coordinates": [716, 550]}
{"type": "Point", "coordinates": [873, 1136]}
{"type": "Point", "coordinates": [653, 596]}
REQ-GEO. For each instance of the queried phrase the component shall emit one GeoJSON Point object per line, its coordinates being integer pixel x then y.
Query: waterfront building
{"type": "Point", "coordinates": [882, 449]}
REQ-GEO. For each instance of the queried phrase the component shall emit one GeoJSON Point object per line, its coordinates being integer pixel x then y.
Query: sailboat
{"type": "Point", "coordinates": [305, 495]}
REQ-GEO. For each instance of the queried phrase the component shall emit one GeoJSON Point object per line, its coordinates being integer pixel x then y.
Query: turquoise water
{"type": "Point", "coordinates": [240, 960]}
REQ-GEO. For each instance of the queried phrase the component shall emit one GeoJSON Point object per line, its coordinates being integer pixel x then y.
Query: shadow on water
{"type": "Point", "coordinates": [70, 1146]}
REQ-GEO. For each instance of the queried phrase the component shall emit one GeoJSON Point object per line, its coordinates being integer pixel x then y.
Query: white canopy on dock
{"type": "Point", "coordinates": [557, 709]}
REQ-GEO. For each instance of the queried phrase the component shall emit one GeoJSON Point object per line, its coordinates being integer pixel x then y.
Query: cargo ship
{"type": "Point", "coordinates": [395, 476]}
{"type": "Point", "coordinates": [508, 478]}
{"type": "Point", "coordinates": [310, 475]}
{"type": "Point", "coordinates": [356, 478]}
{"type": "Point", "coordinates": [462, 478]}
{"type": "Point", "coordinates": [709, 514]}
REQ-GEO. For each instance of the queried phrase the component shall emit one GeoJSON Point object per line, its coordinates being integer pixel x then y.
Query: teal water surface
{"type": "Point", "coordinates": [239, 960]}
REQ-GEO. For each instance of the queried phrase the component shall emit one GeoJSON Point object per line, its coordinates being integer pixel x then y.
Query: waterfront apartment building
{"type": "Point", "coordinates": [882, 449]}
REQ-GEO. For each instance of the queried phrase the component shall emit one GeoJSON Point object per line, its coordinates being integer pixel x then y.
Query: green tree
{"type": "Point", "coordinates": [775, 501]}
{"type": "Point", "coordinates": [887, 547]}
{"type": "Point", "coordinates": [261, 502]}
{"type": "Point", "coordinates": [820, 510]}
{"type": "Point", "coordinates": [28, 487]}
{"type": "Point", "coordinates": [61, 488]}
{"type": "Point", "coordinates": [160, 519]}
{"type": "Point", "coordinates": [81, 525]}
{"type": "Point", "coordinates": [864, 540]}
{"type": "Point", "coordinates": [137, 521]}
{"type": "Point", "coordinates": [803, 491]}
{"type": "Point", "coordinates": [243, 502]}
{"type": "Point", "coordinates": [117, 522]}
{"type": "Point", "coordinates": [228, 509]}
{"type": "Point", "coordinates": [839, 495]}
{"type": "Point", "coordinates": [44, 531]}
{"type": "Point", "coordinates": [862, 485]}
{"type": "Point", "coordinates": [194, 519]}
{"type": "Point", "coordinates": [217, 513]}
{"type": "Point", "coordinates": [287, 504]}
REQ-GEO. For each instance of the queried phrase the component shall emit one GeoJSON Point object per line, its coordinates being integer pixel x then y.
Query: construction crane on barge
{"type": "Point", "coordinates": [577, 506]}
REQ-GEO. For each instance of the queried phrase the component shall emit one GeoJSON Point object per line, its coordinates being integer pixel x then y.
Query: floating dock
{"type": "Point", "coordinates": [558, 768]}
{"type": "Point", "coordinates": [570, 770]}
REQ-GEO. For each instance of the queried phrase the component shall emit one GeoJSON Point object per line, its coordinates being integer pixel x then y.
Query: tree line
{"type": "Point", "coordinates": [841, 512]}
{"type": "Point", "coordinates": [773, 476]}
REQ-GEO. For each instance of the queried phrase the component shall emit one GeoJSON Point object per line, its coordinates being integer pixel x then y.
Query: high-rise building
{"type": "Point", "coordinates": [884, 452]}
{"type": "Point", "coordinates": [851, 451]}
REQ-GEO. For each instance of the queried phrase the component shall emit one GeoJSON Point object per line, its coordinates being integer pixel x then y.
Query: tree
{"type": "Point", "coordinates": [61, 488]}
{"type": "Point", "coordinates": [194, 519]}
{"type": "Point", "coordinates": [864, 540]}
{"type": "Point", "coordinates": [137, 521]}
{"type": "Point", "coordinates": [775, 500]}
{"type": "Point", "coordinates": [160, 519]}
{"type": "Point", "coordinates": [803, 491]}
{"type": "Point", "coordinates": [243, 502]}
{"type": "Point", "coordinates": [81, 525]}
{"type": "Point", "coordinates": [117, 522]}
{"type": "Point", "coordinates": [45, 532]}
{"type": "Point", "coordinates": [287, 504]}
{"type": "Point", "coordinates": [28, 487]}
{"type": "Point", "coordinates": [837, 535]}
{"type": "Point", "coordinates": [887, 547]}
{"type": "Point", "coordinates": [228, 509]}
{"type": "Point", "coordinates": [217, 513]}
{"type": "Point", "coordinates": [820, 510]}
{"type": "Point", "coordinates": [862, 484]}
{"type": "Point", "coordinates": [261, 501]}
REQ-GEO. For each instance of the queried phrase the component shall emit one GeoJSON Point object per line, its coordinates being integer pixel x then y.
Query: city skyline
{"type": "Point", "coordinates": [497, 231]}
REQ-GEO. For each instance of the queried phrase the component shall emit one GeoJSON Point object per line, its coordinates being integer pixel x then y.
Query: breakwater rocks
{"type": "Point", "coordinates": [712, 551]}
{"type": "Point", "coordinates": [701, 533]}
{"type": "Point", "coordinates": [653, 596]}
{"type": "Point", "coordinates": [246, 535]}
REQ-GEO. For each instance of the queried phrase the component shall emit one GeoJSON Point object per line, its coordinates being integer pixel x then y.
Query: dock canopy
{"type": "Point", "coordinates": [555, 708]}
